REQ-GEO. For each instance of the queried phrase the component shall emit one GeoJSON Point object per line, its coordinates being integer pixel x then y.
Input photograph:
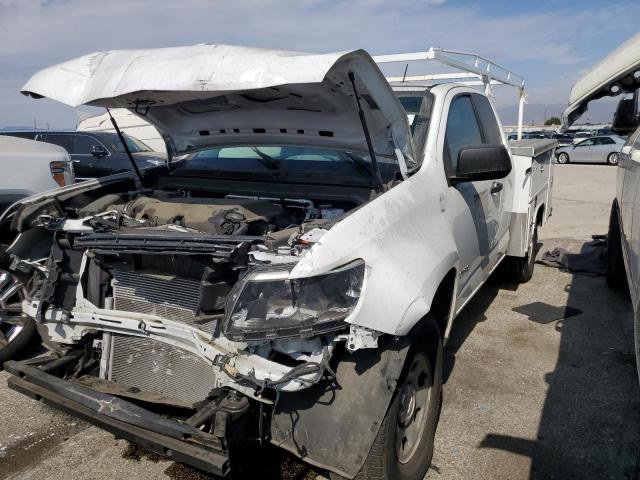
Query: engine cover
{"type": "Point", "coordinates": [215, 216]}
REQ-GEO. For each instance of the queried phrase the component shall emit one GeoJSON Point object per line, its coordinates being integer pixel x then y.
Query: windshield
{"type": "Point", "coordinates": [114, 144]}
{"type": "Point", "coordinates": [285, 162]}
{"type": "Point", "coordinates": [418, 108]}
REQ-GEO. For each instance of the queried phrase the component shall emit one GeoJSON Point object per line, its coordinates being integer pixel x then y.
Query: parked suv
{"type": "Point", "coordinates": [617, 74]}
{"type": "Point", "coordinates": [97, 154]}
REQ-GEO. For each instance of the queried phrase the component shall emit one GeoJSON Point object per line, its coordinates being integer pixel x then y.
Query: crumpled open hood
{"type": "Point", "coordinates": [616, 69]}
{"type": "Point", "coordinates": [205, 95]}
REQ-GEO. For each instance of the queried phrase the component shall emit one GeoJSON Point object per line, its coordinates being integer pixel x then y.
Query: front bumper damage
{"type": "Point", "coordinates": [224, 356]}
{"type": "Point", "coordinates": [331, 424]}
{"type": "Point", "coordinates": [170, 438]}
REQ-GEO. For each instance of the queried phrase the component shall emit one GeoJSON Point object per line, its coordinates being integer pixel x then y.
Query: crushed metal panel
{"type": "Point", "coordinates": [332, 427]}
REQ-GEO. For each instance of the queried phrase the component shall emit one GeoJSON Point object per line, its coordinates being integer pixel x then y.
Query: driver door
{"type": "Point", "coordinates": [89, 164]}
{"type": "Point", "coordinates": [478, 205]}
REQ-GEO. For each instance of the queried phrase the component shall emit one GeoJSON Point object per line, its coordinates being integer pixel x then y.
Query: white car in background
{"type": "Point", "coordinates": [619, 73]}
{"type": "Point", "coordinates": [28, 168]}
{"type": "Point", "coordinates": [603, 149]}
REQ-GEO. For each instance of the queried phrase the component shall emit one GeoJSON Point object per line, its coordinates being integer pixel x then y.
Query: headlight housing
{"type": "Point", "coordinates": [267, 304]}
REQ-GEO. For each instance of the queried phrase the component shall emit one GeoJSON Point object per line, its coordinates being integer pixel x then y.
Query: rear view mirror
{"type": "Point", "coordinates": [625, 120]}
{"type": "Point", "coordinates": [485, 162]}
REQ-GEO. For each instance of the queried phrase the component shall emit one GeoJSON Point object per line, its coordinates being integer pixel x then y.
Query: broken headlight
{"type": "Point", "coordinates": [267, 304]}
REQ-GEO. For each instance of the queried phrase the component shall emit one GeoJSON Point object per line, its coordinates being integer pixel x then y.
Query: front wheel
{"type": "Point", "coordinates": [16, 331]}
{"type": "Point", "coordinates": [563, 157]}
{"type": "Point", "coordinates": [403, 448]}
{"type": "Point", "coordinates": [16, 335]}
{"type": "Point", "coordinates": [612, 158]}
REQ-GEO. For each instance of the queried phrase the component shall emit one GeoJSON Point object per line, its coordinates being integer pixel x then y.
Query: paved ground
{"type": "Point", "coordinates": [528, 394]}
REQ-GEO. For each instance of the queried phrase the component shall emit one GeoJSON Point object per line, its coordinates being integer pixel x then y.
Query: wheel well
{"type": "Point", "coordinates": [441, 304]}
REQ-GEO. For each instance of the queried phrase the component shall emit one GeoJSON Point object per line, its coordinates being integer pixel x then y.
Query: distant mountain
{"type": "Point", "coordinates": [13, 129]}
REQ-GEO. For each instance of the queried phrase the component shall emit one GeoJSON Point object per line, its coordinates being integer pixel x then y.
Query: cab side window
{"type": "Point", "coordinates": [62, 140]}
{"type": "Point", "coordinates": [463, 130]}
{"type": "Point", "coordinates": [605, 141]}
{"type": "Point", "coordinates": [488, 121]}
{"type": "Point", "coordinates": [84, 145]}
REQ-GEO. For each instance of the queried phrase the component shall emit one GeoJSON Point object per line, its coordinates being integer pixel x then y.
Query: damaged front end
{"type": "Point", "coordinates": [164, 302]}
{"type": "Point", "coordinates": [187, 310]}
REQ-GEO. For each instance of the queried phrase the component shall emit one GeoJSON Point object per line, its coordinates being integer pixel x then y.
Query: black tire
{"type": "Point", "coordinates": [520, 269]}
{"type": "Point", "coordinates": [616, 273]}
{"type": "Point", "coordinates": [383, 461]}
{"type": "Point", "coordinates": [563, 158]}
{"type": "Point", "coordinates": [13, 345]}
{"type": "Point", "coordinates": [612, 158]}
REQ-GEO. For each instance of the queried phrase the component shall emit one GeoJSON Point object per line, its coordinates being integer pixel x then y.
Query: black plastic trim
{"type": "Point", "coordinates": [167, 437]}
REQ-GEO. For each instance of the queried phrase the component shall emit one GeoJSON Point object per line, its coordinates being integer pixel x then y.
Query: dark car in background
{"type": "Point", "coordinates": [96, 154]}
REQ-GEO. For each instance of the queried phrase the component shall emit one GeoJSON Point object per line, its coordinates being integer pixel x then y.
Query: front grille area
{"type": "Point", "coordinates": [150, 365]}
{"type": "Point", "coordinates": [161, 368]}
{"type": "Point", "coordinates": [168, 296]}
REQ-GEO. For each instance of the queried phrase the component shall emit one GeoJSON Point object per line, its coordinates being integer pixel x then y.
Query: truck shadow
{"type": "Point", "coordinates": [590, 422]}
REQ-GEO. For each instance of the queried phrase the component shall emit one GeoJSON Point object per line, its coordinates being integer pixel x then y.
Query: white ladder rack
{"type": "Point", "coordinates": [473, 70]}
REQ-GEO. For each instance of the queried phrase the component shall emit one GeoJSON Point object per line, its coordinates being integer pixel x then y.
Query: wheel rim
{"type": "Point", "coordinates": [12, 292]}
{"type": "Point", "coordinates": [415, 397]}
{"type": "Point", "coordinates": [613, 158]}
{"type": "Point", "coordinates": [10, 328]}
{"type": "Point", "coordinates": [562, 158]}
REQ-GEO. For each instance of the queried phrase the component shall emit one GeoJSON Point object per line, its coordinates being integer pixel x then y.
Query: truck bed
{"type": "Point", "coordinates": [533, 166]}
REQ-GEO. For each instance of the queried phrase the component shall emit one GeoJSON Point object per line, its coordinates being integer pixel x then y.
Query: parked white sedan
{"type": "Point", "coordinates": [604, 149]}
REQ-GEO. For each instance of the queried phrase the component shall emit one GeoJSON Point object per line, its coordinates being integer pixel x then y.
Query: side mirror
{"type": "Point", "coordinates": [625, 120]}
{"type": "Point", "coordinates": [98, 151]}
{"type": "Point", "coordinates": [485, 162]}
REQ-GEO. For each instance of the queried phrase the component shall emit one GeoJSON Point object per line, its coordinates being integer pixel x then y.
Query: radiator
{"type": "Point", "coordinates": [161, 368]}
{"type": "Point", "coordinates": [150, 365]}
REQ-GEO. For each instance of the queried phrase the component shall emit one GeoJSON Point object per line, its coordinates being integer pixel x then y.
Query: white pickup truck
{"type": "Point", "coordinates": [291, 275]}
{"type": "Point", "coordinates": [28, 168]}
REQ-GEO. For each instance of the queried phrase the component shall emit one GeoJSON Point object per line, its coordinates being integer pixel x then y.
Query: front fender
{"type": "Point", "coordinates": [422, 304]}
{"type": "Point", "coordinates": [407, 244]}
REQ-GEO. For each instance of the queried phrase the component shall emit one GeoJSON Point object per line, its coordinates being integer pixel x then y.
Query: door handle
{"type": "Point", "coordinates": [75, 161]}
{"type": "Point", "coordinates": [496, 187]}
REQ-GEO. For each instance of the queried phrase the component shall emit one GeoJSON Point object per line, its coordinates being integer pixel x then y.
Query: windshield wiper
{"type": "Point", "coordinates": [266, 160]}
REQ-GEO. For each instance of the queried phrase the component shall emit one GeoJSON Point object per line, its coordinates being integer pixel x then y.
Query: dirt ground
{"type": "Point", "coordinates": [540, 381]}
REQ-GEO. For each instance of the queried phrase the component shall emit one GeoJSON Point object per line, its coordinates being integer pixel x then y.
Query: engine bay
{"type": "Point", "coordinates": [151, 277]}
{"type": "Point", "coordinates": [181, 212]}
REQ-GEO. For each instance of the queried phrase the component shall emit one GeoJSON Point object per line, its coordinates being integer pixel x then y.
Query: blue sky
{"type": "Point", "coordinates": [549, 42]}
